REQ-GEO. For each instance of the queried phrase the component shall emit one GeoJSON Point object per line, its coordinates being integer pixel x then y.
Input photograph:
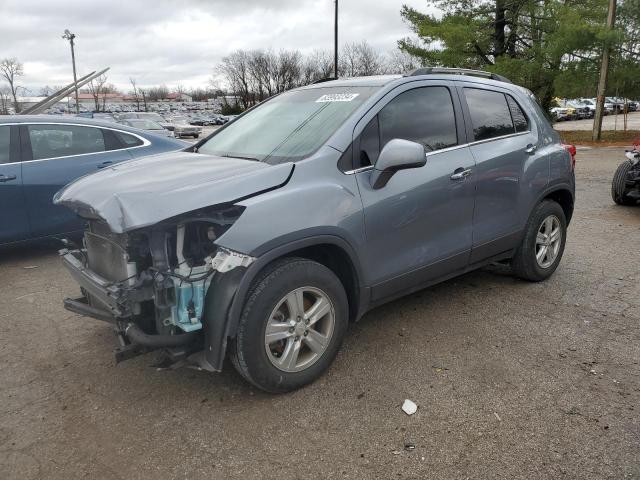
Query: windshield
{"type": "Point", "coordinates": [151, 116]}
{"type": "Point", "coordinates": [288, 127]}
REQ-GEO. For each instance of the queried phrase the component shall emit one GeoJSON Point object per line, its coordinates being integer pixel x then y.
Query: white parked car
{"type": "Point", "coordinates": [148, 125]}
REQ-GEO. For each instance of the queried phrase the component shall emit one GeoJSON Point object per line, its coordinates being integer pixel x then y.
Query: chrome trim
{"type": "Point", "coordinates": [358, 170]}
{"type": "Point", "coordinates": [145, 142]}
{"type": "Point", "coordinates": [448, 149]}
{"type": "Point", "coordinates": [486, 140]}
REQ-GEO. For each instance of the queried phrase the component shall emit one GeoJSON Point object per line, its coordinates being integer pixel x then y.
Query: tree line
{"type": "Point", "coordinates": [253, 75]}
{"type": "Point", "coordinates": [552, 47]}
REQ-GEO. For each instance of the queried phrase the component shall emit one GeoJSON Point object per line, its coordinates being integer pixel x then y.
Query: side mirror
{"type": "Point", "coordinates": [396, 155]}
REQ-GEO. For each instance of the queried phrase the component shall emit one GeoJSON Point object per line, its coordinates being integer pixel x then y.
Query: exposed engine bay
{"type": "Point", "coordinates": [152, 282]}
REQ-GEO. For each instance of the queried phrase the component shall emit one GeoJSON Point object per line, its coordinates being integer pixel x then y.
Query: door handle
{"type": "Point", "coordinates": [7, 178]}
{"type": "Point", "coordinates": [104, 164]}
{"type": "Point", "coordinates": [531, 148]}
{"type": "Point", "coordinates": [460, 173]}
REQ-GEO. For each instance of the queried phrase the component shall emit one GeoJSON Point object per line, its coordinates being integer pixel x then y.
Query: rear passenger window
{"type": "Point", "coordinates": [519, 118]}
{"type": "Point", "coordinates": [128, 140]}
{"type": "Point", "coordinates": [424, 115]}
{"type": "Point", "coordinates": [5, 143]}
{"type": "Point", "coordinates": [50, 141]}
{"type": "Point", "coordinates": [490, 115]}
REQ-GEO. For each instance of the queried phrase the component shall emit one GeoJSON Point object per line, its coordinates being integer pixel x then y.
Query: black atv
{"type": "Point", "coordinates": [625, 188]}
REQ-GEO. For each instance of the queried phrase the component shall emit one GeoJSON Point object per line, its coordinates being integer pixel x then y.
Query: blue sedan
{"type": "Point", "coordinates": [41, 154]}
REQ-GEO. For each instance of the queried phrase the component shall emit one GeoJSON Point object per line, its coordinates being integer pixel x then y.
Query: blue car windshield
{"type": "Point", "coordinates": [288, 127]}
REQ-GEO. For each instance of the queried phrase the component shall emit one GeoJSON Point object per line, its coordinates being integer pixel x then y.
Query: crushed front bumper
{"type": "Point", "coordinates": [116, 302]}
{"type": "Point", "coordinates": [110, 297]}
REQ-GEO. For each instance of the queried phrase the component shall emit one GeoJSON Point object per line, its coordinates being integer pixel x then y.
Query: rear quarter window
{"type": "Point", "coordinates": [128, 140]}
{"type": "Point", "coordinates": [520, 120]}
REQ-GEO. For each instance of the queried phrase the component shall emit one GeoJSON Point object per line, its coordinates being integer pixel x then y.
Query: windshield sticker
{"type": "Point", "coordinates": [337, 97]}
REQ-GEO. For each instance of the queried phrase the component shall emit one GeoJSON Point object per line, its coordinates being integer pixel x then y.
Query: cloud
{"type": "Point", "coordinates": [179, 41]}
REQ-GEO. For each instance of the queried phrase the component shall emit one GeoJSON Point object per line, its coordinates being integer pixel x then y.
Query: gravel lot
{"type": "Point", "coordinates": [512, 379]}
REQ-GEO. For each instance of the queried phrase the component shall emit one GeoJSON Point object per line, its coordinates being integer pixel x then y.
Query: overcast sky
{"type": "Point", "coordinates": [179, 41]}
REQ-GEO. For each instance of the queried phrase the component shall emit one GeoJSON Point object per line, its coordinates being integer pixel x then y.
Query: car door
{"type": "Point", "coordinates": [418, 226]}
{"type": "Point", "coordinates": [14, 222]}
{"type": "Point", "coordinates": [55, 154]}
{"type": "Point", "coordinates": [504, 146]}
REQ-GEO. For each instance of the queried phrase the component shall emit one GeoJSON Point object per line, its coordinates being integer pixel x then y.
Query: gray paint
{"type": "Point", "coordinates": [420, 227]}
{"type": "Point", "coordinates": [152, 189]}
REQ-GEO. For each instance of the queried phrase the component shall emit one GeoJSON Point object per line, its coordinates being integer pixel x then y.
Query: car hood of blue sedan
{"type": "Point", "coordinates": [143, 192]}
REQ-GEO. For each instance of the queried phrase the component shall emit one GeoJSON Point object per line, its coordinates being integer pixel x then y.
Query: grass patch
{"type": "Point", "coordinates": [609, 138]}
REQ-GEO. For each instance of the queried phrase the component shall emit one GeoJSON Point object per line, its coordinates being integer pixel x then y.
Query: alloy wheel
{"type": "Point", "coordinates": [299, 329]}
{"type": "Point", "coordinates": [548, 241]}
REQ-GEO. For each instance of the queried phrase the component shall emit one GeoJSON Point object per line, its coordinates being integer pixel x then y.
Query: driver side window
{"type": "Point", "coordinates": [424, 115]}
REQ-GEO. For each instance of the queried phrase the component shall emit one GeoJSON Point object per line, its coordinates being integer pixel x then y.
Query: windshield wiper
{"type": "Point", "coordinates": [240, 157]}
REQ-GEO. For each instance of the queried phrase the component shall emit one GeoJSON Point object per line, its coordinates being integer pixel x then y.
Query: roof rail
{"type": "Point", "coordinates": [322, 80]}
{"type": "Point", "coordinates": [458, 71]}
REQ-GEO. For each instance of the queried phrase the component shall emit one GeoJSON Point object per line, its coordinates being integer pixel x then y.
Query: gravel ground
{"type": "Point", "coordinates": [512, 379]}
{"type": "Point", "coordinates": [610, 122]}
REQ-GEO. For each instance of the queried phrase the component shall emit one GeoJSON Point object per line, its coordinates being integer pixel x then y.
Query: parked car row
{"type": "Point", "coordinates": [581, 108]}
{"type": "Point", "coordinates": [179, 125]}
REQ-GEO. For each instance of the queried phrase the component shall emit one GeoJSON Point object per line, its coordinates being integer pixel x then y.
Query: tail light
{"type": "Point", "coordinates": [572, 151]}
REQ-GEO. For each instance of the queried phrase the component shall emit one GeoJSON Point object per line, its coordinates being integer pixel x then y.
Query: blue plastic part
{"type": "Point", "coordinates": [184, 293]}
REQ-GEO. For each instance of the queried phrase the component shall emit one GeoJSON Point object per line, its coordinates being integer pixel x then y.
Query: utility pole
{"type": "Point", "coordinates": [70, 36]}
{"type": "Point", "coordinates": [604, 72]}
{"type": "Point", "coordinates": [335, 42]}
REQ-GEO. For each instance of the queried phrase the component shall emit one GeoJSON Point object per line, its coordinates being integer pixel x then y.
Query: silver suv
{"type": "Point", "coordinates": [264, 240]}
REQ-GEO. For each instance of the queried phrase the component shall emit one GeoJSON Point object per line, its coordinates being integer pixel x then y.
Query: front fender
{"type": "Point", "coordinates": [227, 293]}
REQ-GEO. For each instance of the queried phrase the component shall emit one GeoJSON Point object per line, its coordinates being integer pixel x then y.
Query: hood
{"type": "Point", "coordinates": [143, 192]}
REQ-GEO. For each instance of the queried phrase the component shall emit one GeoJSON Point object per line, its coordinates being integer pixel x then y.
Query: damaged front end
{"type": "Point", "coordinates": [168, 286]}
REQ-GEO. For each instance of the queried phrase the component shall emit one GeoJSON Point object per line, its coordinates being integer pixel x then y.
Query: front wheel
{"type": "Point", "coordinates": [291, 327]}
{"type": "Point", "coordinates": [619, 184]}
{"type": "Point", "coordinates": [543, 244]}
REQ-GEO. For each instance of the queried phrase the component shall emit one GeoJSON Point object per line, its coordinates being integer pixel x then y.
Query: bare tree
{"type": "Point", "coordinates": [257, 74]}
{"type": "Point", "coordinates": [317, 66]}
{"type": "Point", "coordinates": [144, 98]}
{"type": "Point", "coordinates": [235, 69]}
{"type": "Point", "coordinates": [135, 93]}
{"type": "Point", "coordinates": [288, 69]}
{"type": "Point", "coordinates": [360, 59]}
{"type": "Point", "coordinates": [157, 93]}
{"type": "Point", "coordinates": [106, 90]}
{"type": "Point", "coordinates": [400, 61]}
{"type": "Point", "coordinates": [95, 88]}
{"type": "Point", "coordinates": [10, 68]}
{"type": "Point", "coordinates": [5, 99]}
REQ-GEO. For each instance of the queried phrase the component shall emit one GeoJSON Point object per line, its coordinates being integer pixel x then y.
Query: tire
{"type": "Point", "coordinates": [618, 185]}
{"type": "Point", "coordinates": [259, 362]}
{"type": "Point", "coordinates": [196, 135]}
{"type": "Point", "coordinates": [525, 263]}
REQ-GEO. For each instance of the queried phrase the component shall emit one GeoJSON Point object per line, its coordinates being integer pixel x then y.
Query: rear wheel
{"type": "Point", "coordinates": [619, 184]}
{"type": "Point", "coordinates": [543, 244]}
{"type": "Point", "coordinates": [291, 327]}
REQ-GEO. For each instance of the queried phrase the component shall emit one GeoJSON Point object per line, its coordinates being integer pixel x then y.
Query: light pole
{"type": "Point", "coordinates": [335, 42]}
{"type": "Point", "coordinates": [70, 36]}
